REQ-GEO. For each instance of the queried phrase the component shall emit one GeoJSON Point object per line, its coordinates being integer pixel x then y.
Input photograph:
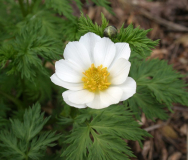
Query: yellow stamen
{"type": "Point", "coordinates": [96, 78]}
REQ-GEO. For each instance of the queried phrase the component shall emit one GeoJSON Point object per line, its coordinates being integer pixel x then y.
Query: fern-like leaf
{"type": "Point", "coordinates": [158, 86]}
{"type": "Point", "coordinates": [99, 134]}
{"type": "Point", "coordinates": [23, 140]}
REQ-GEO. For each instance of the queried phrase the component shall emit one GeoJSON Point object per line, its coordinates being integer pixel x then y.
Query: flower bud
{"type": "Point", "coordinates": [110, 31]}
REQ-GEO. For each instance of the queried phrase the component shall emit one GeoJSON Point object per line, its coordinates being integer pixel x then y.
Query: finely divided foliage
{"type": "Point", "coordinates": [24, 51]}
{"type": "Point", "coordinates": [64, 6]}
{"type": "Point", "coordinates": [164, 83]}
{"type": "Point", "coordinates": [102, 135]}
{"type": "Point", "coordinates": [86, 25]}
{"type": "Point", "coordinates": [32, 37]}
{"type": "Point", "coordinates": [162, 86]}
{"type": "Point", "coordinates": [24, 140]}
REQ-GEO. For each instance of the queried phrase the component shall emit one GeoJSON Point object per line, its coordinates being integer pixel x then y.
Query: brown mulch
{"type": "Point", "coordinates": [169, 20]}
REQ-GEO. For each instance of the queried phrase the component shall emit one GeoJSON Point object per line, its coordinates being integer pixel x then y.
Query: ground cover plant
{"type": "Point", "coordinates": [33, 36]}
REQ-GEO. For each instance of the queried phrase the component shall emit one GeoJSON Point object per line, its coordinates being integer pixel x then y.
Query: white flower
{"type": "Point", "coordinates": [95, 72]}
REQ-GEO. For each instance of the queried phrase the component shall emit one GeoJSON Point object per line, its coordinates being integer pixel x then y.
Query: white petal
{"type": "Point", "coordinates": [89, 40]}
{"type": "Point", "coordinates": [104, 52]}
{"type": "Point", "coordinates": [119, 71]}
{"type": "Point", "coordinates": [122, 51]}
{"type": "Point", "coordinates": [65, 97]}
{"type": "Point", "coordinates": [72, 86]}
{"type": "Point", "coordinates": [112, 95]}
{"type": "Point", "coordinates": [81, 97]}
{"type": "Point", "coordinates": [129, 88]}
{"type": "Point", "coordinates": [97, 103]}
{"type": "Point", "coordinates": [68, 71]}
{"type": "Point", "coordinates": [78, 54]}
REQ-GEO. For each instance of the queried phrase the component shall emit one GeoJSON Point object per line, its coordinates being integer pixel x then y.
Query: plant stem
{"type": "Point", "coordinates": [27, 3]}
{"type": "Point", "coordinates": [23, 89]}
{"type": "Point", "coordinates": [28, 6]}
{"type": "Point", "coordinates": [22, 7]}
{"type": "Point", "coordinates": [14, 100]}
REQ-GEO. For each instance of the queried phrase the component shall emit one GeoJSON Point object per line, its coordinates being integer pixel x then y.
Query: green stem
{"type": "Point", "coordinates": [27, 6]}
{"type": "Point", "coordinates": [14, 100]}
{"type": "Point", "coordinates": [22, 7]}
{"type": "Point", "coordinates": [23, 89]}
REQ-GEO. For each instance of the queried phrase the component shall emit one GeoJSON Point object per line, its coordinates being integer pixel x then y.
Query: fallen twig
{"type": "Point", "coordinates": [171, 25]}
{"type": "Point", "coordinates": [156, 126]}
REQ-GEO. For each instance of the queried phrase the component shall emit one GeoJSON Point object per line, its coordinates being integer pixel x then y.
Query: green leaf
{"type": "Point", "coordinates": [13, 149]}
{"type": "Point", "coordinates": [143, 101]}
{"type": "Point", "coordinates": [69, 30]}
{"type": "Point", "coordinates": [139, 43]}
{"type": "Point", "coordinates": [10, 15]}
{"type": "Point", "coordinates": [86, 25]}
{"type": "Point", "coordinates": [33, 123]}
{"type": "Point", "coordinates": [100, 134]}
{"type": "Point", "coordinates": [80, 137]}
{"type": "Point", "coordinates": [109, 147]}
{"type": "Point", "coordinates": [39, 144]}
{"type": "Point", "coordinates": [158, 86]}
{"type": "Point", "coordinates": [62, 7]}
{"type": "Point", "coordinates": [38, 91]}
{"type": "Point", "coordinates": [43, 22]}
{"type": "Point", "coordinates": [24, 140]}
{"type": "Point", "coordinates": [24, 51]}
{"type": "Point", "coordinates": [105, 4]}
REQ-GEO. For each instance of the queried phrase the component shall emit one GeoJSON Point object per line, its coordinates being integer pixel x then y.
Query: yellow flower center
{"type": "Point", "coordinates": [96, 78]}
